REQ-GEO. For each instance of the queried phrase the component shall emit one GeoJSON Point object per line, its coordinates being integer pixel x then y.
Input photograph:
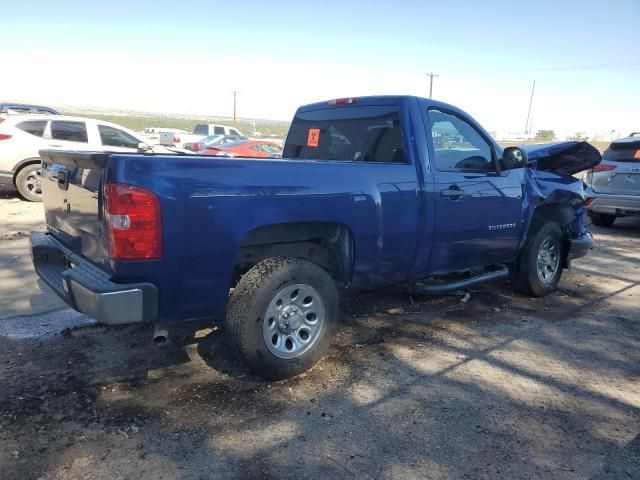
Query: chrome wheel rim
{"type": "Point", "coordinates": [548, 260]}
{"type": "Point", "coordinates": [32, 183]}
{"type": "Point", "coordinates": [293, 321]}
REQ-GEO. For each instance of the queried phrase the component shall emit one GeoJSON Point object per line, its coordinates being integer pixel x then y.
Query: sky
{"type": "Point", "coordinates": [189, 56]}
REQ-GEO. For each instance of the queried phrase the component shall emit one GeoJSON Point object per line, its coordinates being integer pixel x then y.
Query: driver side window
{"type": "Point", "coordinates": [458, 145]}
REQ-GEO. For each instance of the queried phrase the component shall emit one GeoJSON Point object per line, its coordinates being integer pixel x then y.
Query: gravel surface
{"type": "Point", "coordinates": [490, 385]}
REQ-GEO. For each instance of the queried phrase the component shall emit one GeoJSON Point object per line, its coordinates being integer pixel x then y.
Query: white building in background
{"type": "Point", "coordinates": [505, 136]}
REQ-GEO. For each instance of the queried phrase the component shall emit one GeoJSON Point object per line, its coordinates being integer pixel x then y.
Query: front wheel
{"type": "Point", "coordinates": [538, 268]}
{"type": "Point", "coordinates": [28, 182]}
{"type": "Point", "coordinates": [282, 315]}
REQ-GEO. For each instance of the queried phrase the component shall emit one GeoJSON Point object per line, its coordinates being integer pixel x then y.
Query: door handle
{"type": "Point", "coordinates": [454, 192]}
{"type": "Point", "coordinates": [63, 179]}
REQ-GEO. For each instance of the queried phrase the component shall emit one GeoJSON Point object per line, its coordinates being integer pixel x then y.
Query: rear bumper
{"type": "Point", "coordinates": [618, 205]}
{"type": "Point", "coordinates": [579, 247]}
{"type": "Point", "coordinates": [87, 288]}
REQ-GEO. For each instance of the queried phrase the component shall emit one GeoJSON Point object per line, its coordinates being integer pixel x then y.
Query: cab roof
{"type": "Point", "coordinates": [374, 100]}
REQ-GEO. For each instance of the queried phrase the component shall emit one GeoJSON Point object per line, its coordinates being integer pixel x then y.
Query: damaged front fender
{"type": "Point", "coordinates": [551, 193]}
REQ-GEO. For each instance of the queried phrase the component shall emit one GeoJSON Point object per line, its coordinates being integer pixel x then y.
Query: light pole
{"type": "Point", "coordinates": [431, 75]}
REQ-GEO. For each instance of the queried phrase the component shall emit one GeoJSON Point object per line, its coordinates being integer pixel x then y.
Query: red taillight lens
{"type": "Point", "coordinates": [175, 139]}
{"type": "Point", "coordinates": [603, 168]}
{"type": "Point", "coordinates": [4, 136]}
{"type": "Point", "coordinates": [134, 224]}
{"type": "Point", "coordinates": [588, 201]}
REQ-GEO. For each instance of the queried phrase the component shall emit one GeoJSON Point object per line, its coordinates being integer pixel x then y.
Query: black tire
{"type": "Point", "coordinates": [525, 275]}
{"type": "Point", "coordinates": [255, 294]}
{"type": "Point", "coordinates": [28, 182]}
{"type": "Point", "coordinates": [602, 219]}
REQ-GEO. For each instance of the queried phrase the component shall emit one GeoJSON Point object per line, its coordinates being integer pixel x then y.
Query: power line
{"type": "Point", "coordinates": [553, 68]}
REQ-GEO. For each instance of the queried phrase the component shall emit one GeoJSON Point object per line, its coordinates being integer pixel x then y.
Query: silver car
{"type": "Point", "coordinates": [613, 186]}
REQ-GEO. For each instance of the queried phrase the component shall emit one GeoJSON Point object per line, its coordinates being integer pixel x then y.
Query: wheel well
{"type": "Point", "coordinates": [563, 215]}
{"type": "Point", "coordinates": [327, 244]}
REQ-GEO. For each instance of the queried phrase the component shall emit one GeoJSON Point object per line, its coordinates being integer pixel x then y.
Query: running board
{"type": "Point", "coordinates": [440, 288]}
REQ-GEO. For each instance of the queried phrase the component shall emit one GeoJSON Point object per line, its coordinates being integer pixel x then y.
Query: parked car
{"type": "Point", "coordinates": [25, 108]}
{"type": "Point", "coordinates": [244, 148]}
{"type": "Point", "coordinates": [22, 136]}
{"type": "Point", "coordinates": [613, 186]}
{"type": "Point", "coordinates": [211, 141]}
{"type": "Point", "coordinates": [200, 131]}
{"type": "Point", "coordinates": [362, 199]}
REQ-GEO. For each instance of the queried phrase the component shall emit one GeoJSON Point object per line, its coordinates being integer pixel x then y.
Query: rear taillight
{"type": "Point", "coordinates": [343, 101]}
{"type": "Point", "coordinates": [175, 139]}
{"type": "Point", "coordinates": [588, 201]}
{"type": "Point", "coordinates": [603, 168]}
{"type": "Point", "coordinates": [134, 224]}
{"type": "Point", "coordinates": [4, 136]}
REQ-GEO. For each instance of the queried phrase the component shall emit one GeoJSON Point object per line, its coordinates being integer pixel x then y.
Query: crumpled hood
{"type": "Point", "coordinates": [565, 158]}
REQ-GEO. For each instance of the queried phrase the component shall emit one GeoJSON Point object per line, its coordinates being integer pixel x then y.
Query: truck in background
{"type": "Point", "coordinates": [200, 131]}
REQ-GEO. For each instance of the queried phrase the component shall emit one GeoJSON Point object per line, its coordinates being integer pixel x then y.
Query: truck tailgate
{"type": "Point", "coordinates": [72, 197]}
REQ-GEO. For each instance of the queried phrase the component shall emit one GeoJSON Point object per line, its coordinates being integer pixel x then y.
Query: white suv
{"type": "Point", "coordinates": [23, 136]}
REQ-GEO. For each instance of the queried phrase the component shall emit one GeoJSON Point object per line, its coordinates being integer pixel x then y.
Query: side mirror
{"type": "Point", "coordinates": [143, 147]}
{"type": "Point", "coordinates": [514, 157]}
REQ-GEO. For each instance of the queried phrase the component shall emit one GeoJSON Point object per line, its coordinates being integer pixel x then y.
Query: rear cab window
{"type": "Point", "coordinates": [201, 129]}
{"type": "Point", "coordinates": [218, 130]}
{"type": "Point", "coordinates": [365, 133]}
{"type": "Point", "coordinates": [33, 127]}
{"type": "Point", "coordinates": [69, 131]}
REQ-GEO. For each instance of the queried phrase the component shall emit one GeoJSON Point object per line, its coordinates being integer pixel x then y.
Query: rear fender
{"type": "Point", "coordinates": [327, 244]}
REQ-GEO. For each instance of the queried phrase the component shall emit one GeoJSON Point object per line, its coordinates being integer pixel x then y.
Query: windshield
{"type": "Point", "coordinates": [212, 139]}
{"type": "Point", "coordinates": [233, 144]}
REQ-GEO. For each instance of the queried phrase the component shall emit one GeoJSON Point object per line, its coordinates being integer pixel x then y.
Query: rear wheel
{"type": "Point", "coordinates": [28, 182]}
{"type": "Point", "coordinates": [282, 315]}
{"type": "Point", "coordinates": [602, 219]}
{"type": "Point", "coordinates": [538, 269]}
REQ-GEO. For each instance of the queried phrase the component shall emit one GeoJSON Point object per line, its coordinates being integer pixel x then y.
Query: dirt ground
{"type": "Point", "coordinates": [498, 386]}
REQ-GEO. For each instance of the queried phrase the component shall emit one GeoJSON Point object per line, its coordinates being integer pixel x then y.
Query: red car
{"type": "Point", "coordinates": [245, 148]}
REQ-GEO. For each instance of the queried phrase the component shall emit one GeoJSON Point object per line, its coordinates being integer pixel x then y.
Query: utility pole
{"type": "Point", "coordinates": [431, 75]}
{"type": "Point", "coordinates": [235, 95]}
{"type": "Point", "coordinates": [526, 125]}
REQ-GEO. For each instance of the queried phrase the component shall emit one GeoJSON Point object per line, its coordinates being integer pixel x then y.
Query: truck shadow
{"type": "Point", "coordinates": [417, 387]}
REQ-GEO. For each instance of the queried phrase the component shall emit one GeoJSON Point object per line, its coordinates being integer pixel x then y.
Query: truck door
{"type": "Point", "coordinates": [478, 208]}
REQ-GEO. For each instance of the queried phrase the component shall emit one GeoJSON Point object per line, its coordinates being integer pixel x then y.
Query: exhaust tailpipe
{"type": "Point", "coordinates": [160, 336]}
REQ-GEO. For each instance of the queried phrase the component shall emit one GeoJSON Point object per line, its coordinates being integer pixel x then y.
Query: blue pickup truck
{"type": "Point", "coordinates": [370, 192]}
